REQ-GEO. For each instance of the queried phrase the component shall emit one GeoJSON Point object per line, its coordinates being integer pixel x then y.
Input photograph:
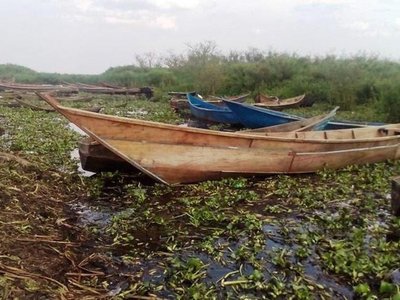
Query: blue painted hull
{"type": "Point", "coordinates": [209, 112]}
{"type": "Point", "coordinates": [256, 117]}
{"type": "Point", "coordinates": [332, 125]}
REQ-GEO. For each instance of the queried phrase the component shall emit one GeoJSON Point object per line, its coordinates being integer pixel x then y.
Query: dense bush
{"type": "Point", "coordinates": [345, 81]}
{"type": "Point", "coordinates": [390, 100]}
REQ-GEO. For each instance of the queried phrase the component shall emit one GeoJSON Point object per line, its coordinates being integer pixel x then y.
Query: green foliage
{"type": "Point", "coordinates": [390, 102]}
{"type": "Point", "coordinates": [15, 72]}
{"type": "Point", "coordinates": [344, 81]}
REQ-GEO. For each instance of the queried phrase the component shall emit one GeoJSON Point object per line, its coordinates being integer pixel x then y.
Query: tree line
{"type": "Point", "coordinates": [344, 81]}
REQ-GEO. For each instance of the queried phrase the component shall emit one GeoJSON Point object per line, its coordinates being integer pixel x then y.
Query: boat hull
{"type": "Point", "coordinates": [212, 113]}
{"type": "Point", "coordinates": [94, 157]}
{"type": "Point", "coordinates": [277, 104]}
{"type": "Point", "coordinates": [186, 164]}
{"type": "Point", "coordinates": [256, 117]}
{"type": "Point", "coordinates": [173, 154]}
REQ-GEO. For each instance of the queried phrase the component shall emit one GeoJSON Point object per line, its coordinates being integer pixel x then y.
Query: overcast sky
{"type": "Point", "coordinates": [89, 36]}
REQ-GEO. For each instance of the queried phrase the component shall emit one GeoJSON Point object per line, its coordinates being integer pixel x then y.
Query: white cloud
{"type": "Point", "coordinates": [168, 4]}
{"type": "Point", "coordinates": [397, 23]}
{"type": "Point", "coordinates": [322, 2]}
{"type": "Point", "coordinates": [359, 26]}
{"type": "Point", "coordinates": [83, 5]}
{"type": "Point", "coordinates": [91, 11]}
{"type": "Point", "coordinates": [142, 20]}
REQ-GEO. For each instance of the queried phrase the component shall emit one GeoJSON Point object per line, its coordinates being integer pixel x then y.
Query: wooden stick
{"type": "Point", "coordinates": [11, 157]}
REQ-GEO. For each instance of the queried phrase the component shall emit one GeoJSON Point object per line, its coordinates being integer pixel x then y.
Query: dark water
{"type": "Point", "coordinates": [152, 267]}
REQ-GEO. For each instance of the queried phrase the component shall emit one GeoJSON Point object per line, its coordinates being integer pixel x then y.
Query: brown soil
{"type": "Point", "coordinates": [42, 253]}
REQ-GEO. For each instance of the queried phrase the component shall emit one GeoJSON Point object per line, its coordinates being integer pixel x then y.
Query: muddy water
{"type": "Point", "coordinates": [152, 268]}
{"type": "Point", "coordinates": [75, 155]}
{"type": "Point", "coordinates": [75, 128]}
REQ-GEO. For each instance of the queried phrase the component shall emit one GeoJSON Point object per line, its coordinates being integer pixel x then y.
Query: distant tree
{"type": "Point", "coordinates": [174, 61]}
{"type": "Point", "coordinates": [234, 57]}
{"type": "Point", "coordinates": [254, 55]}
{"type": "Point", "coordinates": [148, 60]}
{"type": "Point", "coordinates": [202, 52]}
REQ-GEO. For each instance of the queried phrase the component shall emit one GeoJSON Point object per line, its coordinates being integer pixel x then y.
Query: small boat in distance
{"type": "Point", "coordinates": [279, 104]}
{"type": "Point", "coordinates": [37, 87]}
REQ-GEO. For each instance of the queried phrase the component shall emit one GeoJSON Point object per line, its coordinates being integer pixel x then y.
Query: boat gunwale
{"type": "Point", "coordinates": [276, 103]}
{"type": "Point", "coordinates": [250, 136]}
{"type": "Point", "coordinates": [218, 109]}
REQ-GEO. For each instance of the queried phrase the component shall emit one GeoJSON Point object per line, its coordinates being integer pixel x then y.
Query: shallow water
{"type": "Point", "coordinates": [75, 155]}
{"type": "Point", "coordinates": [152, 269]}
{"type": "Point", "coordinates": [75, 128]}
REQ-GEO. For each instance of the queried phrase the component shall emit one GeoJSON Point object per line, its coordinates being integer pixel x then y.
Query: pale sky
{"type": "Point", "coordinates": [89, 36]}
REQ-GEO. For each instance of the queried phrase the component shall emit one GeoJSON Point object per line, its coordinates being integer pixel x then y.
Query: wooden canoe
{"type": "Point", "coordinates": [95, 157]}
{"type": "Point", "coordinates": [279, 104]}
{"type": "Point", "coordinates": [181, 95]}
{"type": "Point", "coordinates": [172, 154]}
{"type": "Point", "coordinates": [239, 99]}
{"type": "Point", "coordinates": [36, 87]}
{"type": "Point", "coordinates": [260, 98]}
{"type": "Point", "coordinates": [96, 89]}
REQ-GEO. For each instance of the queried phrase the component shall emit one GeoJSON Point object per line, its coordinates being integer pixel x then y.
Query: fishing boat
{"type": "Point", "coordinates": [181, 95]}
{"type": "Point", "coordinates": [239, 99]}
{"type": "Point", "coordinates": [37, 87]}
{"type": "Point", "coordinates": [279, 104]}
{"type": "Point", "coordinates": [179, 104]}
{"type": "Point", "coordinates": [211, 113]}
{"type": "Point", "coordinates": [172, 154]}
{"type": "Point", "coordinates": [313, 123]}
{"type": "Point", "coordinates": [101, 89]}
{"type": "Point", "coordinates": [95, 157]}
{"type": "Point", "coordinates": [260, 98]}
{"type": "Point", "coordinates": [257, 117]}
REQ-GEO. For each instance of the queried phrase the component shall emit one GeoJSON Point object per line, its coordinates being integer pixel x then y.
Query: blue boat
{"type": "Point", "coordinates": [210, 112]}
{"type": "Point", "coordinates": [256, 117]}
{"type": "Point", "coordinates": [332, 125]}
